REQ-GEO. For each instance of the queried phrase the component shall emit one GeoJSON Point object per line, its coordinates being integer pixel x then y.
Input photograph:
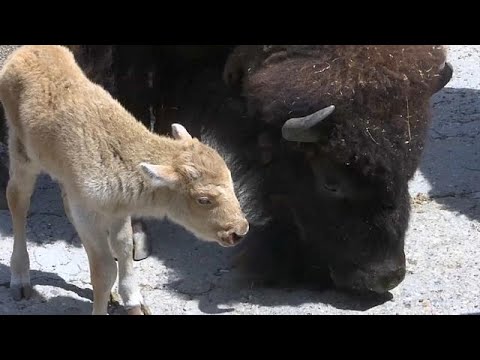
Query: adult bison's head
{"type": "Point", "coordinates": [350, 196]}
{"type": "Point", "coordinates": [352, 213]}
{"type": "Point", "coordinates": [353, 123]}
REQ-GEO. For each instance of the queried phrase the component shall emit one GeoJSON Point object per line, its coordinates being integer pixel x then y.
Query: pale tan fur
{"type": "Point", "coordinates": [110, 168]}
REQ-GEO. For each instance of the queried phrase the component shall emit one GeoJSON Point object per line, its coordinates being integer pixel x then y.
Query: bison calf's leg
{"type": "Point", "coordinates": [19, 190]}
{"type": "Point", "coordinates": [122, 245]}
{"type": "Point", "coordinates": [92, 230]}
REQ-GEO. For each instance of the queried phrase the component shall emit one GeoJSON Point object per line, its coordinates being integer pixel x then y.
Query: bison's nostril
{"type": "Point", "coordinates": [391, 280]}
{"type": "Point", "coordinates": [232, 239]}
{"type": "Point", "coordinates": [234, 234]}
{"type": "Point", "coordinates": [236, 237]}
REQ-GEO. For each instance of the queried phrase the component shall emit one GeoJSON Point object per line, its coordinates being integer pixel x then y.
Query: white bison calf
{"type": "Point", "coordinates": [110, 168]}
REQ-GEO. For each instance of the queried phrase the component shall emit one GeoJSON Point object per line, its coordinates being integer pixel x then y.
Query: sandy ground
{"type": "Point", "coordinates": [185, 276]}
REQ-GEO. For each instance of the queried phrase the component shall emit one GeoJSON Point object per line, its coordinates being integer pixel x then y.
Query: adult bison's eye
{"type": "Point", "coordinates": [331, 188]}
{"type": "Point", "coordinates": [388, 206]}
{"type": "Point", "coordinates": [204, 200]}
{"type": "Point", "coordinates": [331, 185]}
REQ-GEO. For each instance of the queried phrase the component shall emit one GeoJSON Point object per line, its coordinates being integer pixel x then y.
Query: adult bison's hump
{"type": "Point", "coordinates": [290, 82]}
{"type": "Point", "coordinates": [381, 95]}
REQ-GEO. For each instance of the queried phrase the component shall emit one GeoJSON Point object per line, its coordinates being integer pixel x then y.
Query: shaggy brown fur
{"type": "Point", "coordinates": [381, 94]}
{"type": "Point", "coordinates": [370, 148]}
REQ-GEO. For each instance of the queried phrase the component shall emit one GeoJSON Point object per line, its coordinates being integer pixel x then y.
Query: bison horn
{"type": "Point", "coordinates": [300, 129]}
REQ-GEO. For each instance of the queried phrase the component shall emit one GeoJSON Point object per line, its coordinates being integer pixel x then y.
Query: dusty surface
{"type": "Point", "coordinates": [185, 276]}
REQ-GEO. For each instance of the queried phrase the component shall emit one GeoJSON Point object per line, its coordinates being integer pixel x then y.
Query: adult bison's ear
{"type": "Point", "coordinates": [234, 69]}
{"type": "Point", "coordinates": [444, 76]}
{"type": "Point", "coordinates": [306, 129]}
{"type": "Point", "coordinates": [240, 62]}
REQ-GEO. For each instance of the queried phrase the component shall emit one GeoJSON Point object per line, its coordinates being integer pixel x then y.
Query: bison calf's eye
{"type": "Point", "coordinates": [204, 201]}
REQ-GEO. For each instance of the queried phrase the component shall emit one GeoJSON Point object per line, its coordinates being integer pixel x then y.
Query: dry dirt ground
{"type": "Point", "coordinates": [185, 276]}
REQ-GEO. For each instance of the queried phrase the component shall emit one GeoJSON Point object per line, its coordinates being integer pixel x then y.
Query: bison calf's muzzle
{"type": "Point", "coordinates": [234, 235]}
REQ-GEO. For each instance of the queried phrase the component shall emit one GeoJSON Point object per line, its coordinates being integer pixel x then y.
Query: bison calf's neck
{"type": "Point", "coordinates": [110, 168]}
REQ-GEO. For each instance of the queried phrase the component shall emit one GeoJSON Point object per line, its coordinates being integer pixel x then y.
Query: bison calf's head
{"type": "Point", "coordinates": [200, 191]}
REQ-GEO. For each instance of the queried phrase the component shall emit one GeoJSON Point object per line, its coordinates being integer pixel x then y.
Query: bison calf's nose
{"type": "Point", "coordinates": [234, 236]}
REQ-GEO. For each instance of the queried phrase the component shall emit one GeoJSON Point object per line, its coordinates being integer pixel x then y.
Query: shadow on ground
{"type": "Point", "coordinates": [46, 222]}
{"type": "Point", "coordinates": [202, 272]}
{"type": "Point", "coordinates": [38, 304]}
{"type": "Point", "coordinates": [56, 302]}
{"type": "Point", "coordinates": [451, 162]}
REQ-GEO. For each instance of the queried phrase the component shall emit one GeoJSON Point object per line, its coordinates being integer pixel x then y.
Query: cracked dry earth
{"type": "Point", "coordinates": [185, 276]}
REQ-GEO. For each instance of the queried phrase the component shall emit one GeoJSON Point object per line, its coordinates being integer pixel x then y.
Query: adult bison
{"type": "Point", "coordinates": [322, 140]}
{"type": "Point", "coordinates": [357, 118]}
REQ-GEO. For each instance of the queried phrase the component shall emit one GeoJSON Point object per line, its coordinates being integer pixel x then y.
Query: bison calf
{"type": "Point", "coordinates": [110, 168]}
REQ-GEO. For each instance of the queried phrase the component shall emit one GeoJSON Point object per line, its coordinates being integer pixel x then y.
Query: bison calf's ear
{"type": "Point", "coordinates": [180, 133]}
{"type": "Point", "coordinates": [160, 175]}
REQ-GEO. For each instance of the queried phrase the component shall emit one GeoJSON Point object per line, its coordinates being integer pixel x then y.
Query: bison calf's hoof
{"type": "Point", "coordinates": [20, 292]}
{"type": "Point", "coordinates": [146, 310]}
{"type": "Point", "coordinates": [115, 298]}
{"type": "Point", "coordinates": [139, 310]}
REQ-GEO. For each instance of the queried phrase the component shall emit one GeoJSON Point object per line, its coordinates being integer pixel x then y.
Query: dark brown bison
{"type": "Point", "coordinates": [322, 140]}
{"type": "Point", "coordinates": [348, 125]}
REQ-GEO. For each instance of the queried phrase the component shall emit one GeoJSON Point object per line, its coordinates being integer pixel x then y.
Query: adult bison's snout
{"type": "Point", "coordinates": [376, 278]}
{"type": "Point", "coordinates": [386, 278]}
